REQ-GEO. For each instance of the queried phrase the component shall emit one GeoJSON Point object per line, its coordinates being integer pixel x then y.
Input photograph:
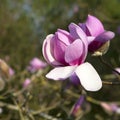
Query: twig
{"type": "Point", "coordinates": [19, 110]}
{"type": "Point", "coordinates": [46, 109]}
{"type": "Point", "coordinates": [111, 83]}
{"type": "Point", "coordinates": [33, 77]}
{"type": "Point", "coordinates": [48, 117]}
{"type": "Point", "coordinates": [108, 65]}
{"type": "Point", "coordinates": [9, 106]}
{"type": "Point", "coordinates": [90, 99]}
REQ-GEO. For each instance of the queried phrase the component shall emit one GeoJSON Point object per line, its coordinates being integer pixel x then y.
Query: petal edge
{"type": "Point", "coordinates": [61, 73]}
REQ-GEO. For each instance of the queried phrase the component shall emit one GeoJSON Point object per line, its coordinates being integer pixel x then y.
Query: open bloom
{"type": "Point", "coordinates": [97, 35]}
{"type": "Point", "coordinates": [67, 51]}
{"type": "Point", "coordinates": [36, 64]}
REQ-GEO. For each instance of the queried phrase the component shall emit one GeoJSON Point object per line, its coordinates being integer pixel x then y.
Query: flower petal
{"type": "Point", "coordinates": [105, 36]}
{"type": "Point", "coordinates": [46, 49]}
{"type": "Point", "coordinates": [59, 51]}
{"type": "Point", "coordinates": [89, 77]}
{"type": "Point", "coordinates": [74, 79]}
{"type": "Point", "coordinates": [64, 36]}
{"type": "Point", "coordinates": [84, 28]}
{"type": "Point", "coordinates": [94, 26]}
{"type": "Point", "coordinates": [90, 39]}
{"type": "Point", "coordinates": [37, 63]}
{"type": "Point", "coordinates": [100, 40]}
{"type": "Point", "coordinates": [73, 52]}
{"type": "Point", "coordinates": [77, 32]}
{"type": "Point", "coordinates": [61, 73]}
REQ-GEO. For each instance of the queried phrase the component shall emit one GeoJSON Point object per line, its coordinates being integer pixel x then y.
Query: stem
{"type": "Point", "coordinates": [108, 65]}
{"type": "Point", "coordinates": [19, 110]}
{"type": "Point", "coordinates": [9, 106]}
{"type": "Point", "coordinates": [111, 83]}
{"type": "Point", "coordinates": [46, 109]}
{"type": "Point", "coordinates": [90, 99]}
{"type": "Point", "coordinates": [33, 77]}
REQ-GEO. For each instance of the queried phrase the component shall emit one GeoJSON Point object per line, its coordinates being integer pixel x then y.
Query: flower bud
{"type": "Point", "coordinates": [102, 50]}
{"type": "Point", "coordinates": [4, 69]}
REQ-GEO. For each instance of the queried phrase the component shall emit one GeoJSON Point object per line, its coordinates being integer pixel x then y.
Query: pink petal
{"type": "Point", "coordinates": [74, 52]}
{"type": "Point", "coordinates": [59, 51]}
{"type": "Point", "coordinates": [37, 63]}
{"type": "Point", "coordinates": [94, 25]}
{"type": "Point", "coordinates": [47, 50]}
{"type": "Point", "coordinates": [77, 32]}
{"type": "Point", "coordinates": [61, 73]}
{"type": "Point", "coordinates": [64, 36]}
{"type": "Point", "coordinates": [100, 40]}
{"type": "Point", "coordinates": [89, 77]}
{"type": "Point", "coordinates": [90, 39]}
{"type": "Point", "coordinates": [84, 28]}
{"type": "Point", "coordinates": [26, 82]}
{"type": "Point", "coordinates": [105, 36]}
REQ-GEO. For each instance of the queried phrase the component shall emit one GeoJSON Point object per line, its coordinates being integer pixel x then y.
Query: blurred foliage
{"type": "Point", "coordinates": [24, 25]}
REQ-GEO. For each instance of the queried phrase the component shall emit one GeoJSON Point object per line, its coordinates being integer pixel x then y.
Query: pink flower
{"type": "Point", "coordinates": [96, 33]}
{"type": "Point", "coordinates": [67, 51]}
{"type": "Point", "coordinates": [36, 64]}
{"type": "Point", "coordinates": [110, 107]}
{"type": "Point", "coordinates": [26, 82]}
{"type": "Point", "coordinates": [11, 71]}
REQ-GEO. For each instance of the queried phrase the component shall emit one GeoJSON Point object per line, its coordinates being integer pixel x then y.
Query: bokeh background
{"type": "Point", "coordinates": [24, 25]}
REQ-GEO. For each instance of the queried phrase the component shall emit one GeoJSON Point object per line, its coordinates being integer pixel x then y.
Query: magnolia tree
{"type": "Point", "coordinates": [32, 95]}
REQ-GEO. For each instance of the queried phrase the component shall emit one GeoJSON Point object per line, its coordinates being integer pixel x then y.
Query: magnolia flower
{"type": "Point", "coordinates": [36, 64]}
{"type": "Point", "coordinates": [67, 51]}
{"type": "Point", "coordinates": [97, 35]}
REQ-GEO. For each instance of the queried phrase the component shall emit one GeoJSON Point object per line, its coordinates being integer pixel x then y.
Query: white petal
{"type": "Point", "coordinates": [61, 73]}
{"type": "Point", "coordinates": [89, 77]}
